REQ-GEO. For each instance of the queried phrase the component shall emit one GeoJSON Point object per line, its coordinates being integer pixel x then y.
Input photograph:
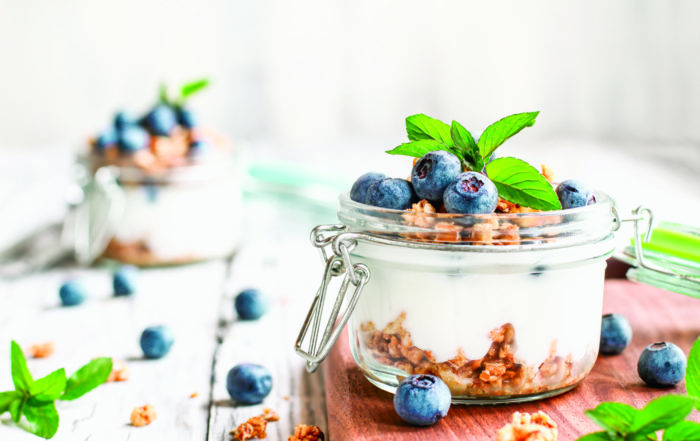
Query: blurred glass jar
{"type": "Point", "coordinates": [159, 216]}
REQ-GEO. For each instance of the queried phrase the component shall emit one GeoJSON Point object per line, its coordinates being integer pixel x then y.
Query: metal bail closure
{"type": "Point", "coordinates": [337, 265]}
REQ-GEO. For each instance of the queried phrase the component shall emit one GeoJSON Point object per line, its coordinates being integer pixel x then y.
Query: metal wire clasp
{"type": "Point", "coordinates": [337, 263]}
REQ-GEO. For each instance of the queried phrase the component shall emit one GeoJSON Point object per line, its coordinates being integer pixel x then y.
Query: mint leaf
{"type": "Point", "coordinates": [464, 141]}
{"type": "Point", "coordinates": [683, 431]}
{"type": "Point", "coordinates": [87, 378]}
{"type": "Point", "coordinates": [420, 127]}
{"type": "Point", "coordinates": [43, 420]}
{"type": "Point", "coordinates": [163, 93]}
{"type": "Point", "coordinates": [16, 408]}
{"type": "Point", "coordinates": [7, 398]}
{"type": "Point", "coordinates": [48, 388]}
{"type": "Point", "coordinates": [499, 132]}
{"type": "Point", "coordinates": [419, 148]}
{"type": "Point", "coordinates": [597, 436]}
{"type": "Point", "coordinates": [660, 413]}
{"type": "Point", "coordinates": [692, 373]}
{"type": "Point", "coordinates": [20, 373]}
{"type": "Point", "coordinates": [193, 87]}
{"type": "Point", "coordinates": [614, 417]}
{"type": "Point", "coordinates": [520, 183]}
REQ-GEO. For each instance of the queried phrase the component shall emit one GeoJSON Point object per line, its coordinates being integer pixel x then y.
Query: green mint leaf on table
{"type": "Point", "coordinates": [661, 413]}
{"type": "Point", "coordinates": [616, 418]}
{"type": "Point", "coordinates": [692, 373]}
{"type": "Point", "coordinates": [499, 132]}
{"type": "Point", "coordinates": [598, 436]}
{"type": "Point", "coordinates": [683, 431]}
{"type": "Point", "coordinates": [163, 93]}
{"type": "Point", "coordinates": [420, 148]}
{"type": "Point", "coordinates": [520, 183]}
{"type": "Point", "coordinates": [43, 420]}
{"type": "Point", "coordinates": [20, 372]}
{"type": "Point", "coordinates": [420, 127]}
{"type": "Point", "coordinates": [49, 388]}
{"type": "Point", "coordinates": [16, 408]}
{"type": "Point", "coordinates": [464, 141]}
{"type": "Point", "coordinates": [87, 378]}
{"type": "Point", "coordinates": [7, 398]}
{"type": "Point", "coordinates": [193, 87]}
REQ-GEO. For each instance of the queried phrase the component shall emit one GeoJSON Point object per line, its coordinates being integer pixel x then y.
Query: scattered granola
{"type": "Point", "coordinates": [548, 173]}
{"type": "Point", "coordinates": [41, 350]}
{"type": "Point", "coordinates": [525, 427]}
{"type": "Point", "coordinates": [119, 372]}
{"type": "Point", "coordinates": [138, 253]}
{"type": "Point", "coordinates": [255, 427]}
{"type": "Point", "coordinates": [497, 373]}
{"type": "Point", "coordinates": [143, 416]}
{"type": "Point", "coordinates": [194, 394]}
{"type": "Point", "coordinates": [302, 432]}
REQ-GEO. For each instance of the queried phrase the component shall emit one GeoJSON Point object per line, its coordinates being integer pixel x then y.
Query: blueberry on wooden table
{"type": "Point", "coordinates": [72, 293]}
{"type": "Point", "coordinates": [358, 192]}
{"type": "Point", "coordinates": [248, 383]}
{"type": "Point", "coordinates": [250, 304]}
{"type": "Point", "coordinates": [422, 400]}
{"type": "Point", "coordinates": [396, 194]}
{"type": "Point", "coordinates": [125, 280]}
{"type": "Point", "coordinates": [156, 341]}
{"type": "Point", "coordinates": [433, 172]}
{"type": "Point", "coordinates": [615, 334]}
{"type": "Point", "coordinates": [471, 193]}
{"type": "Point", "coordinates": [573, 194]}
{"type": "Point", "coordinates": [662, 365]}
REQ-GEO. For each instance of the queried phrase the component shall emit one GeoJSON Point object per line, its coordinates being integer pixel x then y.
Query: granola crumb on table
{"type": "Point", "coordinates": [143, 415]}
{"type": "Point", "coordinates": [255, 427]}
{"type": "Point", "coordinates": [525, 427]}
{"type": "Point", "coordinates": [302, 432]}
{"type": "Point", "coordinates": [41, 350]}
{"type": "Point", "coordinates": [119, 372]}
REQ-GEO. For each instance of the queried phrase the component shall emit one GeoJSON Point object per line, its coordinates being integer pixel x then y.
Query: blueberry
{"type": "Point", "coordinates": [472, 193]}
{"type": "Point", "coordinates": [124, 119]}
{"type": "Point", "coordinates": [106, 139]}
{"type": "Point", "coordinates": [186, 118]}
{"type": "Point", "coordinates": [615, 334]}
{"type": "Point", "coordinates": [133, 138]}
{"type": "Point", "coordinates": [156, 341]}
{"type": "Point", "coordinates": [358, 192]}
{"type": "Point", "coordinates": [124, 280]}
{"type": "Point", "coordinates": [72, 293]}
{"type": "Point", "coordinates": [433, 173]}
{"type": "Point", "coordinates": [199, 148]}
{"type": "Point", "coordinates": [250, 304]}
{"type": "Point", "coordinates": [248, 383]}
{"type": "Point", "coordinates": [422, 400]}
{"type": "Point", "coordinates": [161, 120]}
{"type": "Point", "coordinates": [574, 194]}
{"type": "Point", "coordinates": [391, 193]}
{"type": "Point", "coordinates": [662, 364]}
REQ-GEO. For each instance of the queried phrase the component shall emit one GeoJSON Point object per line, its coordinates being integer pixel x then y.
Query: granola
{"type": "Point", "coordinates": [41, 350]}
{"type": "Point", "coordinates": [143, 415]}
{"type": "Point", "coordinates": [497, 373]}
{"type": "Point", "coordinates": [119, 372]}
{"type": "Point", "coordinates": [255, 427]}
{"type": "Point", "coordinates": [138, 253]}
{"type": "Point", "coordinates": [302, 432]}
{"type": "Point", "coordinates": [525, 427]}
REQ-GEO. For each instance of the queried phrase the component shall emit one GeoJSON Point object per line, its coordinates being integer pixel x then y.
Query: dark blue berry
{"type": "Point", "coordinates": [433, 173]}
{"type": "Point", "coordinates": [72, 293]}
{"type": "Point", "coordinates": [422, 400]}
{"type": "Point", "coordinates": [133, 139]}
{"type": "Point", "coordinates": [391, 193]}
{"type": "Point", "coordinates": [199, 148]}
{"type": "Point", "coordinates": [124, 119]}
{"type": "Point", "coordinates": [186, 118]}
{"type": "Point", "coordinates": [662, 365]}
{"type": "Point", "coordinates": [248, 383]}
{"type": "Point", "coordinates": [125, 280]}
{"type": "Point", "coordinates": [472, 193]}
{"type": "Point", "coordinates": [358, 192]}
{"type": "Point", "coordinates": [106, 140]}
{"type": "Point", "coordinates": [161, 120]}
{"type": "Point", "coordinates": [250, 304]}
{"type": "Point", "coordinates": [574, 194]}
{"type": "Point", "coordinates": [615, 334]}
{"type": "Point", "coordinates": [156, 341]}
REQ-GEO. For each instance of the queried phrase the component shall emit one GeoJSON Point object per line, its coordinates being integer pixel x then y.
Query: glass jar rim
{"type": "Point", "coordinates": [540, 229]}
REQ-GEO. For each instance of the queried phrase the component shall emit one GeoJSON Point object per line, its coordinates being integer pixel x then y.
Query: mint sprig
{"type": "Point", "coordinates": [185, 92]}
{"type": "Point", "coordinates": [35, 399]}
{"type": "Point", "coordinates": [517, 182]}
{"type": "Point", "coordinates": [667, 413]}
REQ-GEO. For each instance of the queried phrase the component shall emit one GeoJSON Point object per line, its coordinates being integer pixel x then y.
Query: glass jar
{"type": "Point", "coordinates": [501, 307]}
{"type": "Point", "coordinates": [166, 216]}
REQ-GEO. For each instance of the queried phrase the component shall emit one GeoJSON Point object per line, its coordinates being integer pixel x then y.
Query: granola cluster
{"type": "Point", "coordinates": [525, 427]}
{"type": "Point", "coordinates": [497, 373]}
{"type": "Point", "coordinates": [255, 427]}
{"type": "Point", "coordinates": [302, 432]}
{"type": "Point", "coordinates": [41, 350]}
{"type": "Point", "coordinates": [119, 372]}
{"type": "Point", "coordinates": [143, 415]}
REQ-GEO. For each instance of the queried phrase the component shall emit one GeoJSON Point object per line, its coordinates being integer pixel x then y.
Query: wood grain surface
{"type": "Point", "coordinates": [358, 410]}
